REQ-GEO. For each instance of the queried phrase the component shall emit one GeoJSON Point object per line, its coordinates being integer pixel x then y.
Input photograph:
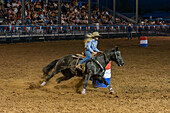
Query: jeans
{"type": "Point", "coordinates": [88, 57]}
{"type": "Point", "coordinates": [129, 35]}
{"type": "Point", "coordinates": [139, 35]}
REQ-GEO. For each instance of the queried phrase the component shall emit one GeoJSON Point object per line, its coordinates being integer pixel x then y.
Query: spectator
{"type": "Point", "coordinates": [130, 32]}
{"type": "Point", "coordinates": [140, 32]}
{"type": "Point", "coordinates": [80, 4]}
{"type": "Point", "coordinates": [8, 5]}
{"type": "Point", "coordinates": [63, 9]}
{"type": "Point", "coordinates": [75, 13]}
{"type": "Point", "coordinates": [37, 6]}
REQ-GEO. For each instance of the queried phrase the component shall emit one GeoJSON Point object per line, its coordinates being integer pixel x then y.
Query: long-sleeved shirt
{"type": "Point", "coordinates": [129, 29]}
{"type": "Point", "coordinates": [92, 46]}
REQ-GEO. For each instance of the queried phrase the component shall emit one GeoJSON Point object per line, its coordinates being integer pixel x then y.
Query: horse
{"type": "Point", "coordinates": [94, 68]}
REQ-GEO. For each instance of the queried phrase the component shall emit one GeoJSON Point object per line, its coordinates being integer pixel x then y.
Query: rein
{"type": "Point", "coordinates": [106, 59]}
{"type": "Point", "coordinates": [98, 63]}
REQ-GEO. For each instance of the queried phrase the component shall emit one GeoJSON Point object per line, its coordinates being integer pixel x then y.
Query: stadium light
{"type": "Point", "coordinates": [59, 12]}
{"type": "Point", "coordinates": [114, 10]}
{"type": "Point", "coordinates": [137, 11]}
{"type": "Point", "coordinates": [89, 12]}
{"type": "Point", "coordinates": [23, 12]}
{"type": "Point", "coordinates": [97, 2]}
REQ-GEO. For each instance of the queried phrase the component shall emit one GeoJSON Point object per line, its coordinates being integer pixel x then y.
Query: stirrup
{"type": "Point", "coordinates": [79, 67]}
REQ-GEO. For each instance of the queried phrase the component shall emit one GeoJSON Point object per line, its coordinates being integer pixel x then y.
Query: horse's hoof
{"type": "Point", "coordinates": [114, 94]}
{"type": "Point", "coordinates": [43, 83]}
{"type": "Point", "coordinates": [84, 93]}
{"type": "Point", "coordinates": [111, 92]}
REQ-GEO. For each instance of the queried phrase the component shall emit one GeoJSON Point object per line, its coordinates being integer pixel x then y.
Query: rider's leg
{"type": "Point", "coordinates": [131, 35]}
{"type": "Point", "coordinates": [88, 57]}
{"type": "Point", "coordinates": [128, 35]}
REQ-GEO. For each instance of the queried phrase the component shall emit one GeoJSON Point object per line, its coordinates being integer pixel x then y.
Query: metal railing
{"type": "Point", "coordinates": [13, 34]}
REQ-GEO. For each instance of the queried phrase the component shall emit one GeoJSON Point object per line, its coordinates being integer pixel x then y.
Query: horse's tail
{"type": "Point", "coordinates": [49, 67]}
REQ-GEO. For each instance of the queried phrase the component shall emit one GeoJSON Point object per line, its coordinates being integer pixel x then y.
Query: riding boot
{"type": "Point", "coordinates": [79, 66]}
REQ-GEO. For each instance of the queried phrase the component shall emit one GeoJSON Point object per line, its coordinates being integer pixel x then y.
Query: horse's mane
{"type": "Point", "coordinates": [105, 52]}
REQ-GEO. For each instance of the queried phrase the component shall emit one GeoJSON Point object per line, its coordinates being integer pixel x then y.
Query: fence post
{"type": "Point", "coordinates": [11, 35]}
{"type": "Point", "coordinates": [43, 32]}
{"type": "Point", "coordinates": [29, 33]}
{"type": "Point", "coordinates": [58, 32]}
{"type": "Point", "coordinates": [72, 32]}
{"type": "Point", "coordinates": [108, 31]}
{"type": "Point", "coordinates": [84, 30]}
{"type": "Point", "coordinates": [65, 31]}
{"type": "Point", "coordinates": [54, 31]}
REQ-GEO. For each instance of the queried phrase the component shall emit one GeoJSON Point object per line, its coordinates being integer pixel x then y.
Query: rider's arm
{"type": "Point", "coordinates": [95, 47]}
{"type": "Point", "coordinates": [88, 46]}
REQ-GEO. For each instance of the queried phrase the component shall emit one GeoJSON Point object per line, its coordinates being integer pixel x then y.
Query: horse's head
{"type": "Point", "coordinates": [116, 56]}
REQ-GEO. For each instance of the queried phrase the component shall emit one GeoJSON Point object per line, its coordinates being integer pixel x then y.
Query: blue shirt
{"type": "Point", "coordinates": [129, 29]}
{"type": "Point", "coordinates": [92, 46]}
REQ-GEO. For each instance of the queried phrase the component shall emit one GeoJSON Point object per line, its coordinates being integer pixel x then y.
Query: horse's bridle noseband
{"type": "Point", "coordinates": [116, 54]}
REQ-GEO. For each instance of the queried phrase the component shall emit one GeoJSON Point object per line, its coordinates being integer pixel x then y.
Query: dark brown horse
{"type": "Point", "coordinates": [94, 68]}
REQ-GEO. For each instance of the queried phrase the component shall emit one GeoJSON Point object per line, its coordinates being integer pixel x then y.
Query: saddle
{"type": "Point", "coordinates": [78, 57]}
{"type": "Point", "coordinates": [74, 63]}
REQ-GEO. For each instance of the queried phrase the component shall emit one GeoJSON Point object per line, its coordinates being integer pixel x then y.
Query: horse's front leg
{"type": "Point", "coordinates": [87, 78]}
{"type": "Point", "coordinates": [102, 80]}
{"type": "Point", "coordinates": [110, 88]}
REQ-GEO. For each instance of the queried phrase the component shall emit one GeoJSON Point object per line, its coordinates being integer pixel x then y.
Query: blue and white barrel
{"type": "Point", "coordinates": [107, 77]}
{"type": "Point", "coordinates": [143, 41]}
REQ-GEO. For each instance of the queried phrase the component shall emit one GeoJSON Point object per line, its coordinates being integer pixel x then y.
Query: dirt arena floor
{"type": "Point", "coordinates": [142, 85]}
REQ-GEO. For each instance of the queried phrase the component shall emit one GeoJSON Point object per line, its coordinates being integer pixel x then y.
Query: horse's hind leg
{"type": "Point", "coordinates": [59, 66]}
{"type": "Point", "coordinates": [63, 78]}
{"type": "Point", "coordinates": [48, 68]}
{"type": "Point", "coordinates": [51, 75]}
{"type": "Point", "coordinates": [48, 78]}
{"type": "Point", "coordinates": [67, 75]}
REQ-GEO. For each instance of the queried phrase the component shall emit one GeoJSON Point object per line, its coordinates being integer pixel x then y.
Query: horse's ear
{"type": "Point", "coordinates": [116, 48]}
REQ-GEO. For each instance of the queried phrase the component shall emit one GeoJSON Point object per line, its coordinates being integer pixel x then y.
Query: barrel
{"type": "Point", "coordinates": [107, 77]}
{"type": "Point", "coordinates": [143, 41]}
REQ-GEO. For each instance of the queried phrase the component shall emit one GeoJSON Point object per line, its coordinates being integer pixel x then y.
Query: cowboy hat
{"type": "Point", "coordinates": [89, 35]}
{"type": "Point", "coordinates": [96, 34]}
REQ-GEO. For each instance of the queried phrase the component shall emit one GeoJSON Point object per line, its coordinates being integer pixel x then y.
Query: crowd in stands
{"type": "Point", "coordinates": [74, 13]}
{"type": "Point", "coordinates": [40, 13]}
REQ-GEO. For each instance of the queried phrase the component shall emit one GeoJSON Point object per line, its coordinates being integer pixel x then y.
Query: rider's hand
{"type": "Point", "coordinates": [94, 53]}
{"type": "Point", "coordinates": [100, 51]}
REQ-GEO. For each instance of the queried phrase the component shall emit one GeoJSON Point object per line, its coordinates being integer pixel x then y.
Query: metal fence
{"type": "Point", "coordinates": [14, 34]}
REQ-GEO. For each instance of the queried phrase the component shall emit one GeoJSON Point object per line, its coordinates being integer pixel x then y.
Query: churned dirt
{"type": "Point", "coordinates": [142, 85]}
